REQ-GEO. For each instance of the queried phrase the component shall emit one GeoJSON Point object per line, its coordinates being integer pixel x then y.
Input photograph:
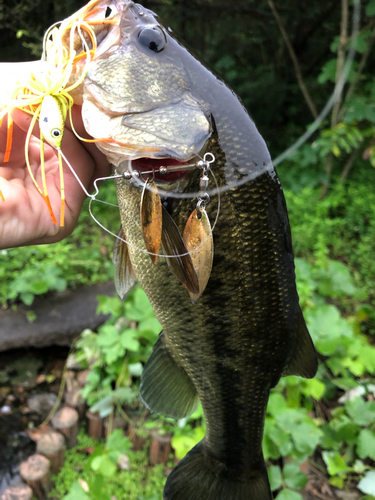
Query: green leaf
{"type": "Point", "coordinates": [327, 325]}
{"type": "Point", "coordinates": [129, 341]}
{"type": "Point", "coordinates": [104, 465]}
{"type": "Point", "coordinates": [108, 335]}
{"type": "Point", "coordinates": [274, 476]}
{"type": "Point", "coordinates": [294, 478]}
{"type": "Point", "coordinates": [183, 443]}
{"type": "Point", "coordinates": [27, 298]}
{"type": "Point", "coordinates": [335, 463]}
{"type": "Point", "coordinates": [366, 444]}
{"type": "Point", "coordinates": [289, 495]}
{"type": "Point", "coordinates": [76, 492]}
{"type": "Point", "coordinates": [314, 388]}
{"type": "Point", "coordinates": [328, 72]}
{"type": "Point", "coordinates": [270, 450]}
{"type": "Point", "coordinates": [370, 8]}
{"type": "Point", "coordinates": [344, 429]}
{"type": "Point", "coordinates": [306, 437]}
{"type": "Point", "coordinates": [104, 406]}
{"type": "Point", "coordinates": [116, 441]}
{"type": "Point", "coordinates": [362, 412]}
{"type": "Point", "coordinates": [367, 483]}
{"type": "Point", "coordinates": [276, 403]}
{"type": "Point", "coordinates": [335, 281]}
{"type": "Point", "coordinates": [281, 439]}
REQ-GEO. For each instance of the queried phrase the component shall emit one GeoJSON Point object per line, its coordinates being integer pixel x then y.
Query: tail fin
{"type": "Point", "coordinates": [198, 477]}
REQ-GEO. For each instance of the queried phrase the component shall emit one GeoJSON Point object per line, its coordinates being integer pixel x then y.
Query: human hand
{"type": "Point", "coordinates": [24, 216]}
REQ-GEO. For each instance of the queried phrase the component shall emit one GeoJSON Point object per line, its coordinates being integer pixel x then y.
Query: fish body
{"type": "Point", "coordinates": [229, 348]}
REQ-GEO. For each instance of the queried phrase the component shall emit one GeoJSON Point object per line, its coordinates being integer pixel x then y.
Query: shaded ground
{"type": "Point", "coordinates": [29, 382]}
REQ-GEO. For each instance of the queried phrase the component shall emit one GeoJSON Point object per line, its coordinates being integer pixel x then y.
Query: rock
{"type": "Point", "coordinates": [42, 403]}
{"type": "Point", "coordinates": [123, 462]}
{"type": "Point", "coordinates": [17, 492]}
{"type": "Point", "coordinates": [60, 317]}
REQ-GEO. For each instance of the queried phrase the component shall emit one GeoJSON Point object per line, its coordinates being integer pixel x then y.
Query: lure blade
{"type": "Point", "coordinates": [198, 233]}
{"type": "Point", "coordinates": [151, 219]}
{"type": "Point", "coordinates": [181, 265]}
{"type": "Point", "coordinates": [124, 274]}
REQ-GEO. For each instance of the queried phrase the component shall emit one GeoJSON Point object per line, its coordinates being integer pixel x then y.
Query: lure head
{"type": "Point", "coordinates": [52, 121]}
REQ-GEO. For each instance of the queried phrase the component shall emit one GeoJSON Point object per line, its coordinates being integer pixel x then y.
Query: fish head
{"type": "Point", "coordinates": [139, 99]}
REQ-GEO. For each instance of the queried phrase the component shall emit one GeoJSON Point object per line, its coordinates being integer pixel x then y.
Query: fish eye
{"type": "Point", "coordinates": [152, 38]}
{"type": "Point", "coordinates": [108, 12]}
{"type": "Point", "coordinates": [55, 133]}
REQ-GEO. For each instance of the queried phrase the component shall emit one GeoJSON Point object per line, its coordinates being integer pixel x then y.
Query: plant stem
{"type": "Point", "coordinates": [340, 60]}
{"type": "Point", "coordinates": [294, 58]}
{"type": "Point", "coordinates": [348, 165]}
{"type": "Point", "coordinates": [338, 88]}
{"type": "Point", "coordinates": [362, 65]}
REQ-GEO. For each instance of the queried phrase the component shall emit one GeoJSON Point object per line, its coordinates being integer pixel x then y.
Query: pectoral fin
{"type": "Point", "coordinates": [165, 386]}
{"type": "Point", "coordinates": [303, 360]}
{"type": "Point", "coordinates": [124, 274]}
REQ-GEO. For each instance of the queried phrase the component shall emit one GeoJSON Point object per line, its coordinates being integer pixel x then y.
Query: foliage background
{"type": "Point", "coordinates": [328, 422]}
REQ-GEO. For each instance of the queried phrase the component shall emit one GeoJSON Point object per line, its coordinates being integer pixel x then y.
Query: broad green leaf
{"type": "Point", "coordinates": [135, 369]}
{"type": "Point", "coordinates": [336, 280]}
{"type": "Point", "coordinates": [344, 429]}
{"type": "Point", "coordinates": [293, 477]}
{"type": "Point", "coordinates": [326, 324]}
{"type": "Point", "coordinates": [335, 463]}
{"type": "Point", "coordinates": [104, 465]}
{"type": "Point", "coordinates": [362, 412]}
{"type": "Point", "coordinates": [129, 340]}
{"type": "Point", "coordinates": [274, 476]}
{"type": "Point", "coordinates": [281, 439]}
{"type": "Point", "coordinates": [108, 335]}
{"type": "Point", "coordinates": [104, 406]}
{"type": "Point", "coordinates": [367, 483]}
{"type": "Point", "coordinates": [289, 495]}
{"type": "Point", "coordinates": [366, 444]}
{"type": "Point", "coordinates": [124, 394]}
{"type": "Point", "coordinates": [276, 403]}
{"type": "Point", "coordinates": [182, 444]}
{"type": "Point", "coordinates": [270, 450]}
{"type": "Point", "coordinates": [314, 388]}
{"type": "Point", "coordinates": [370, 8]}
{"type": "Point", "coordinates": [306, 437]}
{"type": "Point", "coordinates": [328, 72]}
{"type": "Point", "coordinates": [76, 492]}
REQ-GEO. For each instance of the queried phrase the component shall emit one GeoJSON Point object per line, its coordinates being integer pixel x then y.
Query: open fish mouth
{"type": "Point", "coordinates": [163, 171]}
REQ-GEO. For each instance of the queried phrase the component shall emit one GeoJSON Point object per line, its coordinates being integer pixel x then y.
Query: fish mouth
{"type": "Point", "coordinates": [145, 164]}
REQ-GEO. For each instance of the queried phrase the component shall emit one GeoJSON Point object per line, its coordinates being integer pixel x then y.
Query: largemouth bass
{"type": "Point", "coordinates": [161, 106]}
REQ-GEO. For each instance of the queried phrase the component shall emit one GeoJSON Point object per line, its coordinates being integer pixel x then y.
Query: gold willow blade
{"type": "Point", "coordinates": [151, 219]}
{"type": "Point", "coordinates": [198, 233]}
{"type": "Point", "coordinates": [181, 265]}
